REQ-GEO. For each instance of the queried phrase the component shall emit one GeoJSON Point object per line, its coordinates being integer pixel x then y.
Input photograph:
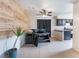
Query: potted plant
{"type": "Point", "coordinates": [13, 51]}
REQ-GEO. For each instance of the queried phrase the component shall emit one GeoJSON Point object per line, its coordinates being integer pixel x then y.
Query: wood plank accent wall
{"type": "Point", "coordinates": [13, 14]}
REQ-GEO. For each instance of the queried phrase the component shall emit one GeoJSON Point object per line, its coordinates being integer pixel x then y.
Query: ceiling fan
{"type": "Point", "coordinates": [45, 12]}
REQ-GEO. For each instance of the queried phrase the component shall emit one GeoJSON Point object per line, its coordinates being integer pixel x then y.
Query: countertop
{"type": "Point", "coordinates": [63, 30]}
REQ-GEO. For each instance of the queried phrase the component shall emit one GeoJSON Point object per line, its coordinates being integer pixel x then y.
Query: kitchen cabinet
{"type": "Point", "coordinates": [67, 35]}
{"type": "Point", "coordinates": [62, 34]}
{"type": "Point", "coordinates": [60, 22]}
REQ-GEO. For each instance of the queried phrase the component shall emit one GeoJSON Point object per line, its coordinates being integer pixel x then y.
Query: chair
{"type": "Point", "coordinates": [31, 38]}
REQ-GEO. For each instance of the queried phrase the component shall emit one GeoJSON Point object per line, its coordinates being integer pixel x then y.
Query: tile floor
{"type": "Point", "coordinates": [53, 49]}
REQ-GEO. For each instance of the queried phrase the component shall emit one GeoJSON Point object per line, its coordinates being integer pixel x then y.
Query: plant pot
{"type": "Point", "coordinates": [13, 53]}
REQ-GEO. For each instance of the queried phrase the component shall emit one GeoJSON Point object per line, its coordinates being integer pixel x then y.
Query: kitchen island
{"type": "Point", "coordinates": [66, 34]}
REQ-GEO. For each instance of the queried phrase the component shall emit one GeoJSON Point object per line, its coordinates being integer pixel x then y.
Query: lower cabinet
{"type": "Point", "coordinates": [67, 35]}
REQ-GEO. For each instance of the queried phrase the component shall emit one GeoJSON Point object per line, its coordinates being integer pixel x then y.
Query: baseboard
{"type": "Point", "coordinates": [77, 49]}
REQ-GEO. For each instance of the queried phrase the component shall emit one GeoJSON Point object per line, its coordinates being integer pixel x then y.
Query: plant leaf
{"type": "Point", "coordinates": [18, 32]}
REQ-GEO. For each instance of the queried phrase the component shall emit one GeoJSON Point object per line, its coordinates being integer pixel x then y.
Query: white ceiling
{"type": "Point", "coordinates": [57, 6]}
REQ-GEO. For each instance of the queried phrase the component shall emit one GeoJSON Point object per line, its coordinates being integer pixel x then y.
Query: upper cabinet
{"type": "Point", "coordinates": [62, 22]}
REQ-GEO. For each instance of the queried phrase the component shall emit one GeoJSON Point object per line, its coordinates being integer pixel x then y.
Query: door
{"type": "Point", "coordinates": [44, 24]}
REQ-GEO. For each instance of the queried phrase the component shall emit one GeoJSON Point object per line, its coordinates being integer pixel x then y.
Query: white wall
{"type": "Point", "coordinates": [7, 43]}
{"type": "Point", "coordinates": [65, 16]}
{"type": "Point", "coordinates": [76, 27]}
